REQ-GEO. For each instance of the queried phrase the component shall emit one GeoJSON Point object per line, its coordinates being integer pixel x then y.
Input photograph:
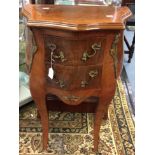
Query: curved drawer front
{"type": "Point", "coordinates": [65, 51]}
{"type": "Point", "coordinates": [76, 77]}
{"type": "Point", "coordinates": [72, 97]}
{"type": "Point", "coordinates": [75, 98]}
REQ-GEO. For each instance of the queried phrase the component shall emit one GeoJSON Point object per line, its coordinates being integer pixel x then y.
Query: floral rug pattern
{"type": "Point", "coordinates": [72, 133]}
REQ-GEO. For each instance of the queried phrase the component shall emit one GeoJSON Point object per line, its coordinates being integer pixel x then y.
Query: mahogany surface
{"type": "Point", "coordinates": [87, 46]}
{"type": "Point", "coordinates": [76, 17]}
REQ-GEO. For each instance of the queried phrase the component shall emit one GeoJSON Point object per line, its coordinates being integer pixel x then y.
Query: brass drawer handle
{"type": "Point", "coordinates": [72, 98]}
{"type": "Point", "coordinates": [83, 84]}
{"type": "Point", "coordinates": [95, 47]}
{"type": "Point", "coordinates": [61, 56]}
{"type": "Point", "coordinates": [61, 83]}
{"type": "Point", "coordinates": [93, 73]}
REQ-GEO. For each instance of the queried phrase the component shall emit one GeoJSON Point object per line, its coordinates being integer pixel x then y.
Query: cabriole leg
{"type": "Point", "coordinates": [39, 98]}
{"type": "Point", "coordinates": [101, 113]}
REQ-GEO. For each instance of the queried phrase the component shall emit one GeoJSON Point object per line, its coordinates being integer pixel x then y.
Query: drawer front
{"type": "Point", "coordinates": [74, 52]}
{"type": "Point", "coordinates": [74, 97]}
{"type": "Point", "coordinates": [76, 78]}
{"type": "Point", "coordinates": [61, 49]}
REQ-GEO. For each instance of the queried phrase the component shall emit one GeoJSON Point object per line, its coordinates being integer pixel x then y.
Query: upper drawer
{"type": "Point", "coordinates": [65, 51]}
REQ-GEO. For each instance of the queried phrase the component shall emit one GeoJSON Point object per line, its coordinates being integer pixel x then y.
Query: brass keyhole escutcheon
{"type": "Point", "coordinates": [60, 56]}
{"type": "Point", "coordinates": [93, 73]}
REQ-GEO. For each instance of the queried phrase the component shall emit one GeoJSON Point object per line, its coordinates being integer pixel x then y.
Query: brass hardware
{"type": "Point", "coordinates": [83, 84]}
{"type": "Point", "coordinates": [85, 56]}
{"type": "Point", "coordinates": [61, 83]}
{"type": "Point", "coordinates": [61, 56]}
{"type": "Point", "coordinates": [72, 98]}
{"type": "Point", "coordinates": [93, 73]}
{"type": "Point", "coordinates": [113, 53]}
{"type": "Point", "coordinates": [95, 47]}
{"type": "Point", "coordinates": [51, 46]}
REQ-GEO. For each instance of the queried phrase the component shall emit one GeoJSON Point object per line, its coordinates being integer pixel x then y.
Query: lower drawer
{"type": "Point", "coordinates": [76, 77]}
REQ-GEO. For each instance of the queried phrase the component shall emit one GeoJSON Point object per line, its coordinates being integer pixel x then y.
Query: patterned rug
{"type": "Point", "coordinates": [72, 133]}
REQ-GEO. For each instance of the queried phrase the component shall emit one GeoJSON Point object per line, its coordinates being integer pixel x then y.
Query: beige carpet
{"type": "Point", "coordinates": [71, 133]}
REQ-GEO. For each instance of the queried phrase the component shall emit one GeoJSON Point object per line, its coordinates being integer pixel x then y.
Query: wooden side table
{"type": "Point", "coordinates": [83, 45]}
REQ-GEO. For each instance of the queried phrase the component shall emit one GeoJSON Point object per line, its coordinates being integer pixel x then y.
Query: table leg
{"type": "Point", "coordinates": [101, 113]}
{"type": "Point", "coordinates": [39, 99]}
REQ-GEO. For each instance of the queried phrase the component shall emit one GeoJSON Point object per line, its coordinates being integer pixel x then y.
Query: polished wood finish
{"type": "Point", "coordinates": [76, 17]}
{"type": "Point", "coordinates": [88, 55]}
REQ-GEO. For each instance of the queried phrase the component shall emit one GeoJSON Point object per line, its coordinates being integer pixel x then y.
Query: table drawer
{"type": "Point", "coordinates": [77, 77]}
{"type": "Point", "coordinates": [88, 51]}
